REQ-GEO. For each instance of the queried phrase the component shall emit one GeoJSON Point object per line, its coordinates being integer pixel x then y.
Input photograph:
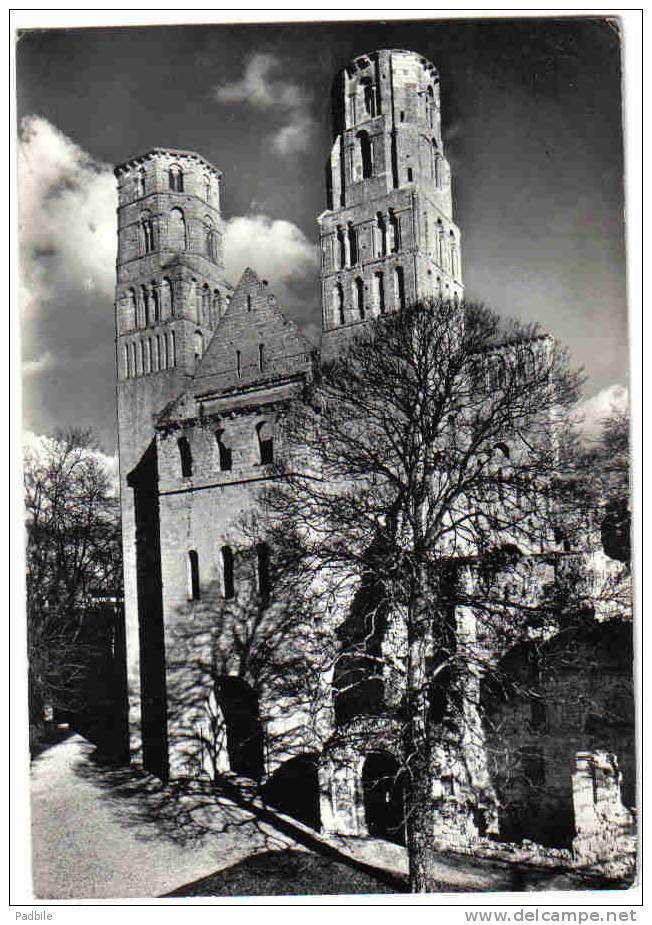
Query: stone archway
{"type": "Point", "coordinates": [244, 733]}
{"type": "Point", "coordinates": [294, 789]}
{"type": "Point", "coordinates": [384, 805]}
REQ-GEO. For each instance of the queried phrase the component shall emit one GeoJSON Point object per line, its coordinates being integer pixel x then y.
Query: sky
{"type": "Point", "coordinates": [532, 125]}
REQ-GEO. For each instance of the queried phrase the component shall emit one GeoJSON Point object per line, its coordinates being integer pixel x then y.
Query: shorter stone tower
{"type": "Point", "coordinates": [388, 236]}
{"type": "Point", "coordinates": [170, 295]}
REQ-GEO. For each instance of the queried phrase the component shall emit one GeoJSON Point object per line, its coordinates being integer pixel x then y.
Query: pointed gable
{"type": "Point", "coordinates": [253, 343]}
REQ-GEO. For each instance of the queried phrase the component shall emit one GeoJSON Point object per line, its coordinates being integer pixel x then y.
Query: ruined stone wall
{"type": "Point", "coordinates": [571, 696]}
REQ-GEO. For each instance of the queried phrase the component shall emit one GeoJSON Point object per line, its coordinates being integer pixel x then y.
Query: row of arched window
{"type": "Point", "coordinates": [377, 304]}
{"type": "Point", "coordinates": [149, 304]}
{"type": "Point", "coordinates": [149, 355]}
{"type": "Point", "coordinates": [228, 573]}
{"type": "Point", "coordinates": [385, 235]}
{"type": "Point", "coordinates": [363, 101]}
{"type": "Point", "coordinates": [175, 182]}
{"type": "Point", "coordinates": [446, 250]}
{"type": "Point", "coordinates": [264, 437]}
{"type": "Point", "coordinates": [149, 237]}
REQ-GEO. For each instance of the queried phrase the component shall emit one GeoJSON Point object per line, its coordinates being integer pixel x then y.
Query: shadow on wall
{"type": "Point", "coordinates": [571, 696]}
{"type": "Point", "coordinates": [244, 682]}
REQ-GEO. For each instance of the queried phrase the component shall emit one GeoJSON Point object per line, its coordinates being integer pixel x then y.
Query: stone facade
{"type": "Point", "coordinates": [388, 236]}
{"type": "Point", "coordinates": [204, 371]}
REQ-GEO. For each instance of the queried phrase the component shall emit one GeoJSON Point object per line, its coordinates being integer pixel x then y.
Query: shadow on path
{"type": "Point", "coordinates": [265, 848]}
{"type": "Point", "coordinates": [286, 873]}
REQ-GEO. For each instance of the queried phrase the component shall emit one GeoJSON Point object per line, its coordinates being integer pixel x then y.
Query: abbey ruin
{"type": "Point", "coordinates": [205, 369]}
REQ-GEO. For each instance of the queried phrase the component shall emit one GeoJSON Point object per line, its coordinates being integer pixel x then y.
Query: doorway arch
{"type": "Point", "coordinates": [244, 733]}
{"type": "Point", "coordinates": [384, 804]}
{"type": "Point", "coordinates": [294, 789]}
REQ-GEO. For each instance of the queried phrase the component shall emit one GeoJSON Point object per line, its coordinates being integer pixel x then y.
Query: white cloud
{"type": "Point", "coordinates": [66, 209]}
{"type": "Point", "coordinates": [277, 250]}
{"type": "Point", "coordinates": [295, 137]}
{"type": "Point", "coordinates": [258, 89]}
{"type": "Point", "coordinates": [594, 410]}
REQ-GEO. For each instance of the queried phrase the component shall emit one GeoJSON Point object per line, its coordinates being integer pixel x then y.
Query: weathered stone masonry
{"type": "Point", "coordinates": [203, 372]}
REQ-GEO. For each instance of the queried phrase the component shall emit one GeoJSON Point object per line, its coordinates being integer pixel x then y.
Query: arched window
{"type": "Point", "coordinates": [193, 575]}
{"type": "Point", "coordinates": [248, 301]}
{"type": "Point", "coordinates": [341, 249]}
{"type": "Point", "coordinates": [224, 450]}
{"type": "Point", "coordinates": [141, 359]}
{"type": "Point", "coordinates": [210, 239]}
{"type": "Point", "coordinates": [265, 438]}
{"type": "Point", "coordinates": [394, 232]}
{"type": "Point", "coordinates": [212, 246]}
{"type": "Point", "coordinates": [185, 457]}
{"type": "Point", "coordinates": [366, 155]}
{"type": "Point", "coordinates": [217, 306]}
{"type": "Point", "coordinates": [175, 178]}
{"type": "Point", "coordinates": [153, 346]}
{"type": "Point", "coordinates": [132, 308]}
{"type": "Point", "coordinates": [430, 106]}
{"type": "Point", "coordinates": [369, 96]}
{"type": "Point", "coordinates": [353, 244]}
{"type": "Point", "coordinates": [454, 261]}
{"type": "Point", "coordinates": [166, 298]}
{"type": "Point", "coordinates": [358, 291]}
{"type": "Point", "coordinates": [426, 232]}
{"type": "Point", "coordinates": [207, 189]}
{"type": "Point", "coordinates": [162, 353]}
{"type": "Point", "coordinates": [399, 287]}
{"type": "Point", "coordinates": [140, 182]}
{"type": "Point", "coordinates": [172, 350]}
{"type": "Point", "coordinates": [437, 168]}
{"type": "Point", "coordinates": [177, 231]}
{"type": "Point", "coordinates": [125, 362]}
{"type": "Point", "coordinates": [199, 346]}
{"type": "Point", "coordinates": [261, 357]}
{"type": "Point", "coordinates": [439, 243]}
{"type": "Point", "coordinates": [191, 297]}
{"type": "Point", "coordinates": [338, 294]}
{"type": "Point", "coordinates": [381, 235]}
{"type": "Point", "coordinates": [379, 283]}
{"type": "Point", "coordinates": [144, 301]}
{"type": "Point", "coordinates": [238, 364]}
{"type": "Point", "coordinates": [156, 308]}
{"type": "Point", "coordinates": [146, 233]}
{"type": "Point", "coordinates": [134, 364]}
{"type": "Point", "coordinates": [205, 304]}
{"type": "Point", "coordinates": [228, 576]}
{"type": "Point", "coordinates": [262, 570]}
{"type": "Point", "coordinates": [148, 356]}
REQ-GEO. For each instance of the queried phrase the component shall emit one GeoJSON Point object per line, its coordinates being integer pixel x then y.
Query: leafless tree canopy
{"type": "Point", "coordinates": [73, 550]}
{"type": "Point", "coordinates": [428, 462]}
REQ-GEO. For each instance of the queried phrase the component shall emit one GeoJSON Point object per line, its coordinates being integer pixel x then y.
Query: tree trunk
{"type": "Point", "coordinates": [420, 809]}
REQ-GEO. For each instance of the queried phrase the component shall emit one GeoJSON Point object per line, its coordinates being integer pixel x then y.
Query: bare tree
{"type": "Point", "coordinates": [73, 551]}
{"type": "Point", "coordinates": [421, 471]}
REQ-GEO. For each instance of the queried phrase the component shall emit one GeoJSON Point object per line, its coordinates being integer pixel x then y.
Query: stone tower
{"type": "Point", "coordinates": [388, 236]}
{"type": "Point", "coordinates": [170, 294]}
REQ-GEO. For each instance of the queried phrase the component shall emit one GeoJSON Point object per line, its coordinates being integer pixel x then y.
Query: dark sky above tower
{"type": "Point", "coordinates": [531, 114]}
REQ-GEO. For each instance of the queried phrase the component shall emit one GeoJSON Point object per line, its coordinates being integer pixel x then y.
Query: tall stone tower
{"type": "Point", "coordinates": [388, 236]}
{"type": "Point", "coordinates": [170, 294]}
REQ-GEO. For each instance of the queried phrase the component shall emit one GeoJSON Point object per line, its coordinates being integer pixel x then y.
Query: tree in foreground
{"type": "Point", "coordinates": [424, 463]}
{"type": "Point", "coordinates": [73, 551]}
